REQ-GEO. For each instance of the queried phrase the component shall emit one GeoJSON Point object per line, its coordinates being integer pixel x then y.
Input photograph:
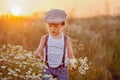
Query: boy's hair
{"type": "Point", "coordinates": [55, 16]}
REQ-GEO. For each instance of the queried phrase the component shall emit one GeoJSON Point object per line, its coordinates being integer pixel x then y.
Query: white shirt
{"type": "Point", "coordinates": [55, 51]}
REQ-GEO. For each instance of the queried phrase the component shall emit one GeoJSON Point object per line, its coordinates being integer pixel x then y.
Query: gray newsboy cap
{"type": "Point", "coordinates": [55, 16]}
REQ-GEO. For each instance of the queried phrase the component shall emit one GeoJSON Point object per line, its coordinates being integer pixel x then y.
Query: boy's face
{"type": "Point", "coordinates": [54, 28]}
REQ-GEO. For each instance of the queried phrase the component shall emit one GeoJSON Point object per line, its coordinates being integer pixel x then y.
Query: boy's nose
{"type": "Point", "coordinates": [52, 28]}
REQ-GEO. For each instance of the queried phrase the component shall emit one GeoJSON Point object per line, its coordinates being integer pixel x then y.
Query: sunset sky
{"type": "Point", "coordinates": [74, 8]}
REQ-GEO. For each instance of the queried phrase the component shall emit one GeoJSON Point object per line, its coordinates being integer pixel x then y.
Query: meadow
{"type": "Point", "coordinates": [96, 38]}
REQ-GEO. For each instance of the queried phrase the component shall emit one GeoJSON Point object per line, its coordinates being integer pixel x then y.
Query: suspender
{"type": "Point", "coordinates": [64, 51]}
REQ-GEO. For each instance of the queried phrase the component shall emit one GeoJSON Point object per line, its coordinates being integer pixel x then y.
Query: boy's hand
{"type": "Point", "coordinates": [73, 63]}
{"type": "Point", "coordinates": [72, 68]}
{"type": "Point", "coordinates": [37, 55]}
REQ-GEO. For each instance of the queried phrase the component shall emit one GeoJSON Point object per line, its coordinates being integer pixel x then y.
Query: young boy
{"type": "Point", "coordinates": [57, 47]}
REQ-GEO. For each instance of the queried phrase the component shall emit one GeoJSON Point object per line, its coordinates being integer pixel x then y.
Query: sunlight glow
{"type": "Point", "coordinates": [16, 10]}
{"type": "Point", "coordinates": [77, 8]}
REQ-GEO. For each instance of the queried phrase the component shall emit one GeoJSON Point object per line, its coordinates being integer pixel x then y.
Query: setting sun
{"type": "Point", "coordinates": [16, 10]}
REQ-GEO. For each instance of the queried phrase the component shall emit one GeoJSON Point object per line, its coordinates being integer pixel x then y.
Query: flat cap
{"type": "Point", "coordinates": [55, 16]}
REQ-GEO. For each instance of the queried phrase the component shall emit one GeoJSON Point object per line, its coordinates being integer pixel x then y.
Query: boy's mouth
{"type": "Point", "coordinates": [53, 31]}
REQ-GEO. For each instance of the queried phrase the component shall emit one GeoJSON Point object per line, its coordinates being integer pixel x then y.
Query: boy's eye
{"type": "Point", "coordinates": [50, 25]}
{"type": "Point", "coordinates": [53, 24]}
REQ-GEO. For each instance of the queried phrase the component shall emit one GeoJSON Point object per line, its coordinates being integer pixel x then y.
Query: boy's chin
{"type": "Point", "coordinates": [53, 33]}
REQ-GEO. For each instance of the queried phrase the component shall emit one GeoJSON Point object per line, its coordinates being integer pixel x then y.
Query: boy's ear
{"type": "Point", "coordinates": [63, 23]}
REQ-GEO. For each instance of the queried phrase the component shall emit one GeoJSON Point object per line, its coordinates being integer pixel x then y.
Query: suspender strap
{"type": "Point", "coordinates": [46, 50]}
{"type": "Point", "coordinates": [64, 51]}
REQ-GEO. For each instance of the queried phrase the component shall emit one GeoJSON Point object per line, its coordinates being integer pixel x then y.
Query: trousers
{"type": "Point", "coordinates": [61, 73]}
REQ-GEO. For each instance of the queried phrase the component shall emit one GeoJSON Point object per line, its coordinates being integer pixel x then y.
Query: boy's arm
{"type": "Point", "coordinates": [39, 50]}
{"type": "Point", "coordinates": [71, 57]}
{"type": "Point", "coordinates": [69, 48]}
